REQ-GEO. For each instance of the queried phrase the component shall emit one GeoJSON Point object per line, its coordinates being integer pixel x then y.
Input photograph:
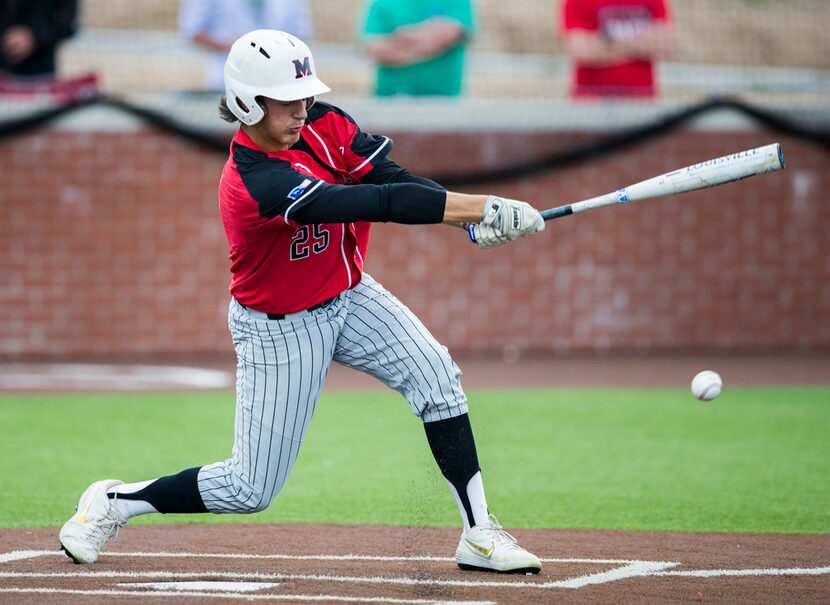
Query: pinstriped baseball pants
{"type": "Point", "coordinates": [281, 367]}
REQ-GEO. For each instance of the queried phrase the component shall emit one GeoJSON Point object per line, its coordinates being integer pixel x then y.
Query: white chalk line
{"type": "Point", "coordinates": [640, 569]}
{"type": "Point", "coordinates": [231, 595]}
{"type": "Point", "coordinates": [26, 554]}
{"type": "Point", "coordinates": [211, 586]}
{"type": "Point", "coordinates": [633, 570]}
{"type": "Point", "coordinates": [630, 570]}
{"type": "Point", "coordinates": [714, 573]}
{"type": "Point", "coordinates": [282, 577]}
{"type": "Point", "coordinates": [109, 377]}
{"type": "Point", "coordinates": [17, 555]}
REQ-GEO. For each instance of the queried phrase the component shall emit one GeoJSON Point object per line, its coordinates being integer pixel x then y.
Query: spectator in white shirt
{"type": "Point", "coordinates": [216, 24]}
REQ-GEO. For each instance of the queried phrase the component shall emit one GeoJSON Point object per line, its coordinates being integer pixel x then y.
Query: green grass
{"type": "Point", "coordinates": [754, 460]}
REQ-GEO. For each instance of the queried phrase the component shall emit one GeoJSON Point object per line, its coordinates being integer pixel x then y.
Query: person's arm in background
{"type": "Point", "coordinates": [411, 44]}
{"type": "Point", "coordinates": [48, 23]}
{"type": "Point", "coordinates": [391, 50]}
{"type": "Point", "coordinates": [589, 46]}
{"type": "Point", "coordinates": [205, 40]}
{"type": "Point", "coordinates": [446, 30]}
{"type": "Point", "coordinates": [394, 46]}
{"type": "Point", "coordinates": [194, 24]}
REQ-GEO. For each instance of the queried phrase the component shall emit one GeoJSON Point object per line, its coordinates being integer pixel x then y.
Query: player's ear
{"type": "Point", "coordinates": [262, 105]}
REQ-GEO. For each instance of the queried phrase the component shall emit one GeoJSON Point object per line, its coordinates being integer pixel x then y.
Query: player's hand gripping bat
{"type": "Point", "coordinates": [709, 173]}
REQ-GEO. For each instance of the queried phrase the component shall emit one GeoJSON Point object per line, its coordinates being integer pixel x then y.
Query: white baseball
{"type": "Point", "coordinates": [707, 385]}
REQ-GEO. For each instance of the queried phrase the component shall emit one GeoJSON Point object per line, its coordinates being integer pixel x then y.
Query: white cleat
{"type": "Point", "coordinates": [96, 521]}
{"type": "Point", "coordinates": [489, 548]}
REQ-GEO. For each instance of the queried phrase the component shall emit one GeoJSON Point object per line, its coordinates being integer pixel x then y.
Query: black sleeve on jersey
{"type": "Point", "coordinates": [278, 189]}
{"type": "Point", "coordinates": [406, 203]}
{"type": "Point", "coordinates": [387, 171]}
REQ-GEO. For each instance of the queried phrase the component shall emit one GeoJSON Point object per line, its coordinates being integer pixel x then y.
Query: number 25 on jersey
{"type": "Point", "coordinates": [308, 239]}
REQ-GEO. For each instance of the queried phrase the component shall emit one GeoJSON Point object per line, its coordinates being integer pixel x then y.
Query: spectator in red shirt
{"type": "Point", "coordinates": [613, 45]}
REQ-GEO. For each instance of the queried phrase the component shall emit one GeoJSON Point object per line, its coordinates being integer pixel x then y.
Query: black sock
{"type": "Point", "coordinates": [172, 494]}
{"type": "Point", "coordinates": [454, 449]}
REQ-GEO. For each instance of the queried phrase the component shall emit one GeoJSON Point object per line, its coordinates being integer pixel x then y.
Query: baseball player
{"type": "Point", "coordinates": [297, 197]}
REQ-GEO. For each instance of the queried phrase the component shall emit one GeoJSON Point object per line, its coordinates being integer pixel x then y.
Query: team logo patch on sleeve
{"type": "Point", "coordinates": [295, 193]}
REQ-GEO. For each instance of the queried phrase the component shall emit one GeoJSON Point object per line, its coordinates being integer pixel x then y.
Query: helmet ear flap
{"type": "Point", "coordinates": [248, 110]}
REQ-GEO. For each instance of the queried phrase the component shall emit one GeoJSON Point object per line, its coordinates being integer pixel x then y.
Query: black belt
{"type": "Point", "coordinates": [319, 305]}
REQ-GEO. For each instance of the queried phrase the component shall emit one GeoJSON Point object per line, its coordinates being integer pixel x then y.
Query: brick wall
{"type": "Point", "coordinates": [110, 243]}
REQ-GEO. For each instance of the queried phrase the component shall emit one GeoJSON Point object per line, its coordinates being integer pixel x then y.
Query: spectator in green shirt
{"type": "Point", "coordinates": [418, 45]}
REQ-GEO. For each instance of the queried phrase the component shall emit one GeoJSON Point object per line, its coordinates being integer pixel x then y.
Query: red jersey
{"type": "Point", "coordinates": [277, 264]}
{"type": "Point", "coordinates": [613, 19]}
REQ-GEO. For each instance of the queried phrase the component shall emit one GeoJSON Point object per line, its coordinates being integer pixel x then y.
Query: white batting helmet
{"type": "Point", "coordinates": [268, 63]}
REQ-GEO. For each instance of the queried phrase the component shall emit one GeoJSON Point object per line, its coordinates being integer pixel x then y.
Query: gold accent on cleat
{"type": "Point", "coordinates": [485, 551]}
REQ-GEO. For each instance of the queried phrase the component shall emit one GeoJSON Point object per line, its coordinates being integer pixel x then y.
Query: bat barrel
{"type": "Point", "coordinates": [708, 173]}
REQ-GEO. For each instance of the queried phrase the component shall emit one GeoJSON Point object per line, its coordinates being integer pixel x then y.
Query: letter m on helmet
{"type": "Point", "coordinates": [301, 68]}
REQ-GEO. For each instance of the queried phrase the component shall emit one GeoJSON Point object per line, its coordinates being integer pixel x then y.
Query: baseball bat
{"type": "Point", "coordinates": [709, 173]}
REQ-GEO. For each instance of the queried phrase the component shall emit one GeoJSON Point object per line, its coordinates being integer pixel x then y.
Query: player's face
{"type": "Point", "coordinates": [283, 122]}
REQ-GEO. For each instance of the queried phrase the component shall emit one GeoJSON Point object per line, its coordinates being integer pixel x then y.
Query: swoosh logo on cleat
{"type": "Point", "coordinates": [485, 551]}
{"type": "Point", "coordinates": [82, 518]}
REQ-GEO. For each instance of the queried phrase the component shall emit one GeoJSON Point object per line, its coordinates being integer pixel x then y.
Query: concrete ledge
{"type": "Point", "coordinates": [406, 114]}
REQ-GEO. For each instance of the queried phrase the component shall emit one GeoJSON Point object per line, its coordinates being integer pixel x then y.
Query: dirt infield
{"type": "Point", "coordinates": [667, 370]}
{"type": "Point", "coordinates": [360, 564]}
{"type": "Point", "coordinates": [510, 371]}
